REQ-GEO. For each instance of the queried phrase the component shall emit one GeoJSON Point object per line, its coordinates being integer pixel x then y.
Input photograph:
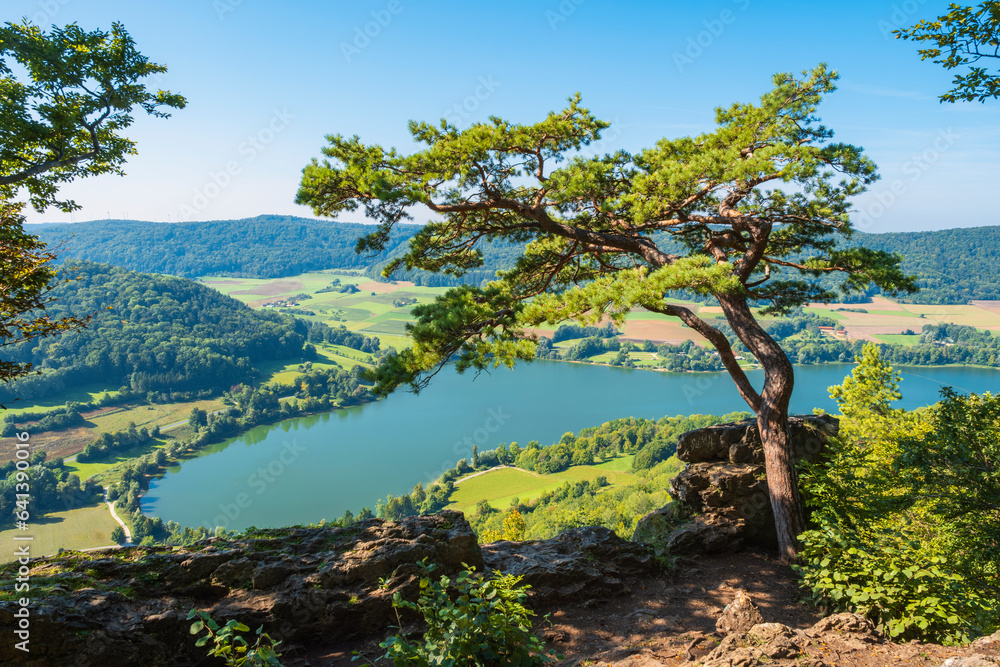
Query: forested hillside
{"type": "Point", "coordinates": [151, 333]}
{"type": "Point", "coordinates": [268, 246]}
{"type": "Point", "coordinates": [954, 265]}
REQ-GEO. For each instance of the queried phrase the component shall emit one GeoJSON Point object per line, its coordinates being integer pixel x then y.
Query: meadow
{"type": "Point", "coordinates": [82, 528]}
{"type": "Point", "coordinates": [501, 486]}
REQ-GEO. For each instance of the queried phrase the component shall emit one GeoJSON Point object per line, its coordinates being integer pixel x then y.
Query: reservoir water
{"type": "Point", "coordinates": [307, 469]}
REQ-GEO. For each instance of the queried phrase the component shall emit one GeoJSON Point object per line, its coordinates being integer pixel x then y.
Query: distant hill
{"type": "Point", "coordinates": [151, 333]}
{"type": "Point", "coordinates": [954, 265]}
{"type": "Point", "coordinates": [268, 246]}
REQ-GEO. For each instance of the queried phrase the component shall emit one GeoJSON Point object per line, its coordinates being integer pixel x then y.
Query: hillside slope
{"type": "Point", "coordinates": [151, 333]}
{"type": "Point", "coordinates": [268, 246]}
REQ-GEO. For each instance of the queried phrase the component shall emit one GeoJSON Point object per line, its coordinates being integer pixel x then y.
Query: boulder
{"type": "Point", "coordinates": [739, 615]}
{"type": "Point", "coordinates": [724, 487]}
{"type": "Point", "coordinates": [974, 660]}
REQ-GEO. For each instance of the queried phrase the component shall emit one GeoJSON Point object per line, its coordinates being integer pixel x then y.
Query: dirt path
{"type": "Point", "coordinates": [669, 620]}
{"type": "Point", "coordinates": [483, 472]}
{"type": "Point", "coordinates": [114, 515]}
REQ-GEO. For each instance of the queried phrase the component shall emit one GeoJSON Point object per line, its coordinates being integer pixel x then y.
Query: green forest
{"type": "Point", "coordinates": [151, 333]}
{"type": "Point", "coordinates": [267, 246]}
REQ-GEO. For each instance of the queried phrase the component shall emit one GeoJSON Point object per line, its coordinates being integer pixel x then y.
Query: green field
{"type": "Point", "coordinates": [899, 339]}
{"type": "Point", "coordinates": [91, 468]}
{"type": "Point", "coordinates": [82, 528]}
{"type": "Point", "coordinates": [83, 394]}
{"type": "Point", "coordinates": [500, 487]}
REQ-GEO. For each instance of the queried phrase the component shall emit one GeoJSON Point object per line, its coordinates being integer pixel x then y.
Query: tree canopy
{"type": "Point", "coordinates": [62, 124]}
{"type": "Point", "coordinates": [962, 38]}
{"type": "Point", "coordinates": [748, 214]}
{"type": "Point", "coordinates": [65, 122]}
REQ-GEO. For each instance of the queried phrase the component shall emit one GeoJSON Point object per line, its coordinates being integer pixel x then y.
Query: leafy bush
{"type": "Point", "coordinates": [513, 528]}
{"type": "Point", "coordinates": [906, 592]}
{"type": "Point", "coordinates": [473, 622]}
{"type": "Point", "coordinates": [232, 646]}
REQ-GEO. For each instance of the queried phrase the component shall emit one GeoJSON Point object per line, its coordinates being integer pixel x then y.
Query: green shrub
{"type": "Point", "coordinates": [906, 592]}
{"type": "Point", "coordinates": [232, 646]}
{"type": "Point", "coordinates": [471, 621]}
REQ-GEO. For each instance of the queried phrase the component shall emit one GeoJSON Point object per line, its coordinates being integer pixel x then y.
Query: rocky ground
{"type": "Point", "coordinates": [326, 592]}
{"type": "Point", "coordinates": [671, 619]}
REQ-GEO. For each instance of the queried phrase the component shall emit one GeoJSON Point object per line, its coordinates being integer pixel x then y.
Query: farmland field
{"type": "Point", "coordinates": [73, 529]}
{"type": "Point", "coordinates": [500, 487]}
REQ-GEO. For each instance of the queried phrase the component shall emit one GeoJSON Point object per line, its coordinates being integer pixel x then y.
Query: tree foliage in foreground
{"type": "Point", "coordinates": [962, 38]}
{"type": "Point", "coordinates": [65, 121]}
{"type": "Point", "coordinates": [907, 511]}
{"type": "Point", "coordinates": [758, 208]}
{"type": "Point", "coordinates": [26, 281]}
{"type": "Point", "coordinates": [62, 123]}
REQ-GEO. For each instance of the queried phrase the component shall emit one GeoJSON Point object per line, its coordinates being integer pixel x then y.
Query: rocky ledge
{"type": "Point", "coordinates": [304, 585]}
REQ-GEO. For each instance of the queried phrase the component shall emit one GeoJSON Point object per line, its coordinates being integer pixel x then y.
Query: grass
{"type": "Point", "coordinates": [823, 312]}
{"type": "Point", "coordinates": [393, 327]}
{"type": "Point", "coordinates": [82, 394]}
{"type": "Point", "coordinates": [500, 487]}
{"type": "Point", "coordinates": [81, 528]}
{"type": "Point", "coordinates": [155, 414]}
{"type": "Point", "coordinates": [899, 339]}
{"type": "Point", "coordinates": [91, 468]}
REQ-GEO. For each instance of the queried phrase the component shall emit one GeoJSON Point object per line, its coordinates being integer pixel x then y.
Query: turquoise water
{"type": "Point", "coordinates": [307, 469]}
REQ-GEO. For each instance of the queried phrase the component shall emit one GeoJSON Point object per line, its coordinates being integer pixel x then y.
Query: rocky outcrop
{"type": "Point", "coordinates": [589, 563]}
{"type": "Point", "coordinates": [128, 606]}
{"type": "Point", "coordinates": [306, 586]}
{"type": "Point", "coordinates": [722, 495]}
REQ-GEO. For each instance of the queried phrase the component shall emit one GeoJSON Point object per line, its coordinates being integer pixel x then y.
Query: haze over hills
{"type": "Point", "coordinates": [954, 265]}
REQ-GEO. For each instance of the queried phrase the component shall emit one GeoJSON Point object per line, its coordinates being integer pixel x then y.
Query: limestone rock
{"type": "Point", "coordinates": [299, 583]}
{"type": "Point", "coordinates": [974, 660]}
{"type": "Point", "coordinates": [991, 642]}
{"type": "Point", "coordinates": [706, 534]}
{"type": "Point", "coordinates": [724, 487]}
{"type": "Point", "coordinates": [762, 643]}
{"type": "Point", "coordinates": [739, 615]}
{"type": "Point", "coordinates": [581, 564]}
{"type": "Point", "coordinates": [844, 623]}
{"type": "Point", "coordinates": [654, 528]}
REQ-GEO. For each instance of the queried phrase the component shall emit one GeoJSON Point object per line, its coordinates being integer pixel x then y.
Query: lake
{"type": "Point", "coordinates": [307, 469]}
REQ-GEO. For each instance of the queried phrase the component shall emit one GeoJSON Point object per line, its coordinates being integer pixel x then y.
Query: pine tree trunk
{"type": "Point", "coordinates": [772, 419]}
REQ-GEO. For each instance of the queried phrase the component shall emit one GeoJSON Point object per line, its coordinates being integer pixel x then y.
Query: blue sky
{"type": "Point", "coordinates": [265, 81]}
